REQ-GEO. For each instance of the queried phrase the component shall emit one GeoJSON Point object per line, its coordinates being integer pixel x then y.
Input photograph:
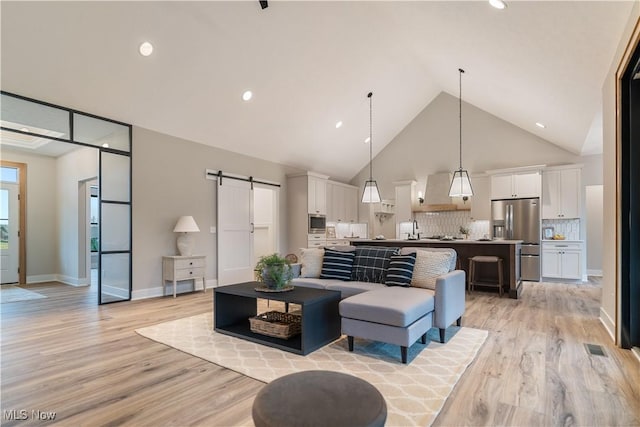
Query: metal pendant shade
{"type": "Point", "coordinates": [370, 193]}
{"type": "Point", "coordinates": [460, 184]}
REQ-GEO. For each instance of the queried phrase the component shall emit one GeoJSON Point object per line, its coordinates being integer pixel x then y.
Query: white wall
{"type": "Point", "coordinates": [73, 168]}
{"type": "Point", "coordinates": [42, 250]}
{"type": "Point", "coordinates": [263, 236]}
{"type": "Point", "coordinates": [594, 220]}
{"type": "Point", "coordinates": [610, 283]}
{"type": "Point", "coordinates": [169, 181]}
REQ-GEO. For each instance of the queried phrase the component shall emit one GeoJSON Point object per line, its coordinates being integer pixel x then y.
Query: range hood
{"type": "Point", "coordinates": [436, 197]}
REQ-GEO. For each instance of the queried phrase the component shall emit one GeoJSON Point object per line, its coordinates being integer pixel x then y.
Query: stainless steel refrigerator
{"type": "Point", "coordinates": [519, 219]}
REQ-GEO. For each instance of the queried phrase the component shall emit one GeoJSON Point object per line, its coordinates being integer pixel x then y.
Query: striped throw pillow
{"type": "Point", "coordinates": [337, 265]}
{"type": "Point", "coordinates": [400, 270]}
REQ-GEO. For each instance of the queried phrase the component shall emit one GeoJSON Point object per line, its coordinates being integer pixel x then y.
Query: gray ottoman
{"type": "Point", "coordinates": [394, 315]}
{"type": "Point", "coordinates": [319, 398]}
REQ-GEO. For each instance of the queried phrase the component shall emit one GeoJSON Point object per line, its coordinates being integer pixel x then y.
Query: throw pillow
{"type": "Point", "coordinates": [429, 265]}
{"type": "Point", "coordinates": [371, 263]}
{"type": "Point", "coordinates": [311, 260]}
{"type": "Point", "coordinates": [400, 270]}
{"type": "Point", "coordinates": [337, 265]}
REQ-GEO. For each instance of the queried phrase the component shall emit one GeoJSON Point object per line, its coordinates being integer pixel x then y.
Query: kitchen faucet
{"type": "Point", "coordinates": [414, 228]}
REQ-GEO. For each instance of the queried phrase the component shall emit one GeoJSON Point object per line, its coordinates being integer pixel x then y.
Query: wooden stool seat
{"type": "Point", "coordinates": [473, 280]}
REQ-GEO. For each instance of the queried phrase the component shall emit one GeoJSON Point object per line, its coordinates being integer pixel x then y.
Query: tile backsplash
{"type": "Point", "coordinates": [570, 228]}
{"type": "Point", "coordinates": [447, 223]}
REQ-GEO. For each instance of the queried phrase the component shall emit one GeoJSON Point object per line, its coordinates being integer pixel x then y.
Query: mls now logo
{"type": "Point", "coordinates": [15, 415]}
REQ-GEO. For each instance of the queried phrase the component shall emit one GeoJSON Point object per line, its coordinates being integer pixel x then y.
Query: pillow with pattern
{"type": "Point", "coordinates": [337, 264]}
{"type": "Point", "coordinates": [311, 260]}
{"type": "Point", "coordinates": [371, 263]}
{"type": "Point", "coordinates": [400, 270]}
{"type": "Point", "coordinates": [429, 265]}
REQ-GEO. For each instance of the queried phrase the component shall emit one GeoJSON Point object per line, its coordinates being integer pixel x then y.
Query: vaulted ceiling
{"type": "Point", "coordinates": [311, 64]}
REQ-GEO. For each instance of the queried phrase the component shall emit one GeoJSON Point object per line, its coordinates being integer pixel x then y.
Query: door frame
{"type": "Point", "coordinates": [623, 288]}
{"type": "Point", "coordinates": [22, 223]}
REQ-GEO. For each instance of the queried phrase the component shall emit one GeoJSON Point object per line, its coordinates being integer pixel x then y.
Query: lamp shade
{"type": "Point", "coordinates": [186, 224]}
{"type": "Point", "coordinates": [460, 184]}
{"type": "Point", "coordinates": [370, 193]}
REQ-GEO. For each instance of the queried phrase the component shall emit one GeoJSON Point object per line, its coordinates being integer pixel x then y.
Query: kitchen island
{"type": "Point", "coordinates": [508, 250]}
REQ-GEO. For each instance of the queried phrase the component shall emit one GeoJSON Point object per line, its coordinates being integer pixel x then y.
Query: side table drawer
{"type": "Point", "coordinates": [188, 273]}
{"type": "Point", "coordinates": [189, 263]}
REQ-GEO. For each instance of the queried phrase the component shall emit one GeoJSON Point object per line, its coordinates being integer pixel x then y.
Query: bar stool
{"type": "Point", "coordinates": [473, 281]}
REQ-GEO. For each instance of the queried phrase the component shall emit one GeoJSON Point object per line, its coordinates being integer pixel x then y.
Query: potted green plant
{"type": "Point", "coordinates": [274, 271]}
{"type": "Point", "coordinates": [464, 231]}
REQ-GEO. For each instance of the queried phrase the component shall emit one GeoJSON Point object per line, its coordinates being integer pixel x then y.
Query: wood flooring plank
{"type": "Point", "coordinates": [85, 362]}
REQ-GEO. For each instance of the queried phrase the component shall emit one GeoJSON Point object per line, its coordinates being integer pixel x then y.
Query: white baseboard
{"type": "Point", "coordinates": [67, 280]}
{"type": "Point", "coordinates": [184, 286]}
{"type": "Point", "coordinates": [608, 323]}
{"type": "Point", "coordinates": [116, 291]}
{"type": "Point", "coordinates": [40, 278]}
{"type": "Point", "coordinates": [73, 281]}
{"type": "Point", "coordinates": [594, 273]}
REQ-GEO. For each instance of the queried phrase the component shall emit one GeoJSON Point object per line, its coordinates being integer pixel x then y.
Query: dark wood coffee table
{"type": "Point", "coordinates": [233, 305]}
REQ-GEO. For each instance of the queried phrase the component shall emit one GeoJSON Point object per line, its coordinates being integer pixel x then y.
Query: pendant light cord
{"type": "Point", "coordinates": [460, 114]}
{"type": "Point", "coordinates": [370, 96]}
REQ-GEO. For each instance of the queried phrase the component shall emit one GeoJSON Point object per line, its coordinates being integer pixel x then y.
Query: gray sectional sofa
{"type": "Point", "coordinates": [395, 314]}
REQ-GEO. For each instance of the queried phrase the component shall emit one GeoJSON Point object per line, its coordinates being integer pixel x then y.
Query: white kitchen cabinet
{"type": "Point", "coordinates": [561, 193]}
{"type": "Point", "coordinates": [562, 260]}
{"type": "Point", "coordinates": [317, 195]}
{"type": "Point", "coordinates": [515, 185]}
{"type": "Point", "coordinates": [342, 202]}
{"type": "Point", "coordinates": [481, 199]}
{"type": "Point", "coordinates": [306, 194]}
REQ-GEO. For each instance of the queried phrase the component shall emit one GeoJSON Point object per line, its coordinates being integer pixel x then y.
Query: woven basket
{"type": "Point", "coordinates": [276, 324]}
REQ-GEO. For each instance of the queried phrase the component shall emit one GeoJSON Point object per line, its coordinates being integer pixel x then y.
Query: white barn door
{"type": "Point", "coordinates": [235, 232]}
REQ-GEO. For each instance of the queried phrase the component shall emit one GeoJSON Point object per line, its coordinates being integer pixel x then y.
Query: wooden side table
{"type": "Point", "coordinates": [176, 268]}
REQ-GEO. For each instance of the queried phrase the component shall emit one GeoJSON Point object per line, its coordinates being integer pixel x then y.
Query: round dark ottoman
{"type": "Point", "coordinates": [319, 398]}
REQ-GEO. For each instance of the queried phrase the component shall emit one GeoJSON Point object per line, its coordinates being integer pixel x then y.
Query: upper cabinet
{"type": "Point", "coordinates": [342, 202]}
{"type": "Point", "coordinates": [481, 199]}
{"type": "Point", "coordinates": [561, 193]}
{"type": "Point", "coordinates": [515, 185]}
{"type": "Point", "coordinates": [317, 195]}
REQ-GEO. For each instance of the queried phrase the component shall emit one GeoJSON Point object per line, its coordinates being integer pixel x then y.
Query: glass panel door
{"type": "Point", "coordinates": [114, 280]}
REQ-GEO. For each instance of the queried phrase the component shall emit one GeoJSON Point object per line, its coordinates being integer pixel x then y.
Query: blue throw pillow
{"type": "Point", "coordinates": [337, 264]}
{"type": "Point", "coordinates": [371, 263]}
{"type": "Point", "coordinates": [400, 270]}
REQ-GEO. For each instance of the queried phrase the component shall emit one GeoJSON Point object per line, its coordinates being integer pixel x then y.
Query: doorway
{"type": "Point", "coordinates": [629, 204]}
{"type": "Point", "coordinates": [12, 222]}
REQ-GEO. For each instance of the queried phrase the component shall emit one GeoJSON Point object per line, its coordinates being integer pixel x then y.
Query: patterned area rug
{"type": "Point", "coordinates": [414, 393]}
{"type": "Point", "coordinates": [10, 293]}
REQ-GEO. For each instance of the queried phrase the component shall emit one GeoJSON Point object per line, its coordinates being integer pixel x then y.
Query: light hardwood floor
{"type": "Point", "coordinates": [65, 354]}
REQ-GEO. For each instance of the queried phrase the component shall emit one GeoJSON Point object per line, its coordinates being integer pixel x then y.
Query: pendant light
{"type": "Point", "coordinates": [460, 184]}
{"type": "Point", "coordinates": [370, 193]}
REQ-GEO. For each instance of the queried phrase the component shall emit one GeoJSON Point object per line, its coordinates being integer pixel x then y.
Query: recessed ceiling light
{"type": "Point", "coordinates": [146, 49]}
{"type": "Point", "coordinates": [247, 95]}
{"type": "Point", "coordinates": [498, 4]}
{"type": "Point", "coordinates": [338, 125]}
{"type": "Point", "coordinates": [366, 141]}
{"type": "Point", "coordinates": [105, 145]}
{"type": "Point", "coordinates": [540, 125]}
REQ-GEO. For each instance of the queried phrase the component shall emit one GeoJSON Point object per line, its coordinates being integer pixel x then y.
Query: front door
{"type": "Point", "coordinates": [9, 226]}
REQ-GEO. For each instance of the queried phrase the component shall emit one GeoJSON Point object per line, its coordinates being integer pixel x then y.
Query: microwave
{"type": "Point", "coordinates": [317, 224]}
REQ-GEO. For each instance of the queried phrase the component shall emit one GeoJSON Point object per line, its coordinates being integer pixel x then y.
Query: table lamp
{"type": "Point", "coordinates": [184, 226]}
